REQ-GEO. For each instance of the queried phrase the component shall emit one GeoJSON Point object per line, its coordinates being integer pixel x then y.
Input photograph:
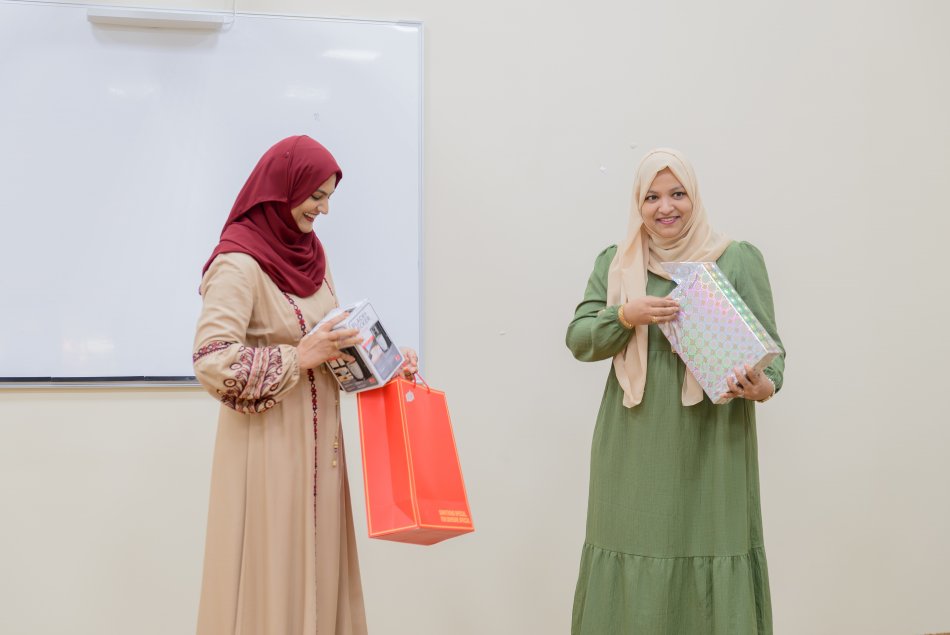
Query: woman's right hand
{"type": "Point", "coordinates": [650, 309]}
{"type": "Point", "coordinates": [324, 343]}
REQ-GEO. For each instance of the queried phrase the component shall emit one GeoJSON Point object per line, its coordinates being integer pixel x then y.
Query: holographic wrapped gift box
{"type": "Point", "coordinates": [716, 331]}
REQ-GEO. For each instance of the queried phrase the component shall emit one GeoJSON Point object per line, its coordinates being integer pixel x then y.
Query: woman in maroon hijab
{"type": "Point", "coordinates": [280, 555]}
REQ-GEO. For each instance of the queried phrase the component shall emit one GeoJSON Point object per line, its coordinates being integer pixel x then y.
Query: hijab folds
{"type": "Point", "coordinates": [261, 224]}
{"type": "Point", "coordinates": [642, 250]}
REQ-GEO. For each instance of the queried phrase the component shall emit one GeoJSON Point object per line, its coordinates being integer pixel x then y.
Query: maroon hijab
{"type": "Point", "coordinates": [261, 224]}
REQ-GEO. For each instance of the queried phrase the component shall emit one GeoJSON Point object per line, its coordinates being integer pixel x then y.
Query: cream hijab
{"type": "Point", "coordinates": [643, 250]}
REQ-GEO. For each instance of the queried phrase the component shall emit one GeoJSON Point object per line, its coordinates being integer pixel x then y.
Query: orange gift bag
{"type": "Point", "coordinates": [411, 471]}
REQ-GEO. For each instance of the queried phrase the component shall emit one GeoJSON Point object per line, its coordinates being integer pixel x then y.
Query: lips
{"type": "Point", "coordinates": [668, 221]}
{"type": "Point", "coordinates": [310, 217]}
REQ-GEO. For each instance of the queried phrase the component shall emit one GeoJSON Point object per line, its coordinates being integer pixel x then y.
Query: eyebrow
{"type": "Point", "coordinates": [324, 192]}
{"type": "Point", "coordinates": [674, 189]}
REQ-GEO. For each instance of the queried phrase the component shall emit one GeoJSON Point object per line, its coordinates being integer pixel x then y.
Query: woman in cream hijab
{"type": "Point", "coordinates": [674, 531]}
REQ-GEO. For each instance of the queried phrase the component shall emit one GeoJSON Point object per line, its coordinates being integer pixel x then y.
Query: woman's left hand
{"type": "Point", "coordinates": [410, 365]}
{"type": "Point", "coordinates": [749, 383]}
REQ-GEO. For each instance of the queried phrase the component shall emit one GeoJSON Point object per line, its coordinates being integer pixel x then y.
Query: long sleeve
{"type": "Point", "coordinates": [596, 333]}
{"type": "Point", "coordinates": [246, 378]}
{"type": "Point", "coordinates": [753, 286]}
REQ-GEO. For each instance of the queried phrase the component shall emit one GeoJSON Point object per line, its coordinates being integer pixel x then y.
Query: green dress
{"type": "Point", "coordinates": [674, 526]}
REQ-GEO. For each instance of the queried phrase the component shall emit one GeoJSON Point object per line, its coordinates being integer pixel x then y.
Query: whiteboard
{"type": "Point", "coordinates": [122, 150]}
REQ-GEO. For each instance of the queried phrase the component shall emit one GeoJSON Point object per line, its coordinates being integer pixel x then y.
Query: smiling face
{"type": "Point", "coordinates": [314, 205]}
{"type": "Point", "coordinates": [666, 210]}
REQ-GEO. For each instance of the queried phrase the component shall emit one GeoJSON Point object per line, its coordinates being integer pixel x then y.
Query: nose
{"type": "Point", "coordinates": [324, 207]}
{"type": "Point", "coordinates": [666, 204]}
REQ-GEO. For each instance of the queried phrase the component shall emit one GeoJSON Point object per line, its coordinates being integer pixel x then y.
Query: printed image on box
{"type": "Point", "coordinates": [375, 359]}
{"type": "Point", "coordinates": [715, 331]}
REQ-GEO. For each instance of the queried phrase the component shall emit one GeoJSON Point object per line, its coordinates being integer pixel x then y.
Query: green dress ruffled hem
{"type": "Point", "coordinates": [627, 593]}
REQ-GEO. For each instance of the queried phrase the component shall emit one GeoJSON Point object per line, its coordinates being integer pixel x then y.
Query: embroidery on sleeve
{"type": "Point", "coordinates": [257, 373]}
{"type": "Point", "coordinates": [211, 347]}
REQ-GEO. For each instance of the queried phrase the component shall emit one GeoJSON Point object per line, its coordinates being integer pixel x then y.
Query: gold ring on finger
{"type": "Point", "coordinates": [653, 317]}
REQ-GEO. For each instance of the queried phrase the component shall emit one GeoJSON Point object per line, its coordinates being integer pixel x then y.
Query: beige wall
{"type": "Point", "coordinates": [819, 132]}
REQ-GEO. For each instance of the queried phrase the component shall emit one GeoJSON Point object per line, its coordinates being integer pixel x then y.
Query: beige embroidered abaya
{"type": "Point", "coordinates": [280, 556]}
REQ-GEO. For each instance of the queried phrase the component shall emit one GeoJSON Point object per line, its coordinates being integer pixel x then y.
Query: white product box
{"type": "Point", "coordinates": [375, 360]}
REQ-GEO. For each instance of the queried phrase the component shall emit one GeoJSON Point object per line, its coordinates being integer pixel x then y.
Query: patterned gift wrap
{"type": "Point", "coordinates": [715, 331]}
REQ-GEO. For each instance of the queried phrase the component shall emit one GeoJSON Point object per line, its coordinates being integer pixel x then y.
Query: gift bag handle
{"type": "Point", "coordinates": [418, 375]}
